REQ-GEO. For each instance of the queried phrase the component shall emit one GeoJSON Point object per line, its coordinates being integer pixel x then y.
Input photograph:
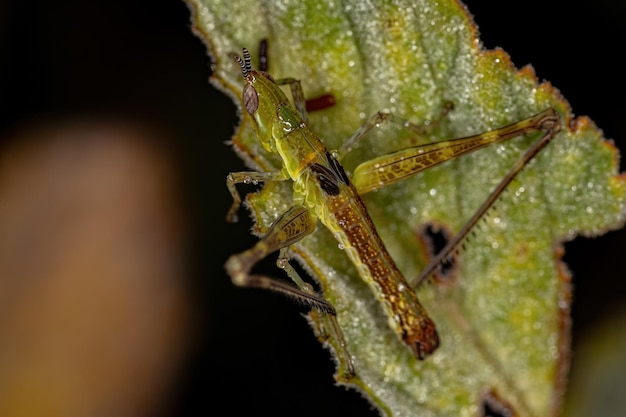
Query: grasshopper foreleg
{"type": "Point", "coordinates": [246, 177]}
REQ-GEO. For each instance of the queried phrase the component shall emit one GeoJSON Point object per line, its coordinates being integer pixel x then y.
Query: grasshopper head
{"type": "Point", "coordinates": [261, 98]}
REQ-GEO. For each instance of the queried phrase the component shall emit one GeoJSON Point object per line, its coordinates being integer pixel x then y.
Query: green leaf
{"type": "Point", "coordinates": [504, 317]}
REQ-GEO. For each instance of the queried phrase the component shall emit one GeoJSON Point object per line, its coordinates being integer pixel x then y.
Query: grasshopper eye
{"type": "Point", "coordinates": [250, 99]}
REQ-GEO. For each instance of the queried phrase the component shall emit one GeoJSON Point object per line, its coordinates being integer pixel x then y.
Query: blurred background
{"type": "Point", "coordinates": [113, 297]}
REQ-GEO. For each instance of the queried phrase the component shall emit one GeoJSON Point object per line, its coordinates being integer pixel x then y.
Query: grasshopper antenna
{"type": "Point", "coordinates": [245, 63]}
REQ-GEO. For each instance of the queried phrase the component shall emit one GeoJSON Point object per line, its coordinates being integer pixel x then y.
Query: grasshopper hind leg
{"type": "Point", "coordinates": [289, 228]}
{"type": "Point", "coordinates": [292, 226]}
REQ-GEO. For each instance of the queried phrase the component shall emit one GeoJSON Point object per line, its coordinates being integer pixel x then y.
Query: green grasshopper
{"type": "Point", "coordinates": [323, 191]}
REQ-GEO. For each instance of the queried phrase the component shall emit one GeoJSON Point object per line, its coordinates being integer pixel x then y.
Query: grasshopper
{"type": "Point", "coordinates": [323, 191]}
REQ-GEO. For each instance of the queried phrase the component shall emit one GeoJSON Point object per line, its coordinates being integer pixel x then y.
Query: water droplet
{"type": "Point", "coordinates": [554, 352]}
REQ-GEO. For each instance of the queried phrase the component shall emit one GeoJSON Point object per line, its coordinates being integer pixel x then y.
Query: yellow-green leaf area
{"type": "Point", "coordinates": [503, 317]}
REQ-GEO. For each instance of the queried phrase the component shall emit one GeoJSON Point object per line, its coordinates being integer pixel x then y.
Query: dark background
{"type": "Point", "coordinates": [138, 59]}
